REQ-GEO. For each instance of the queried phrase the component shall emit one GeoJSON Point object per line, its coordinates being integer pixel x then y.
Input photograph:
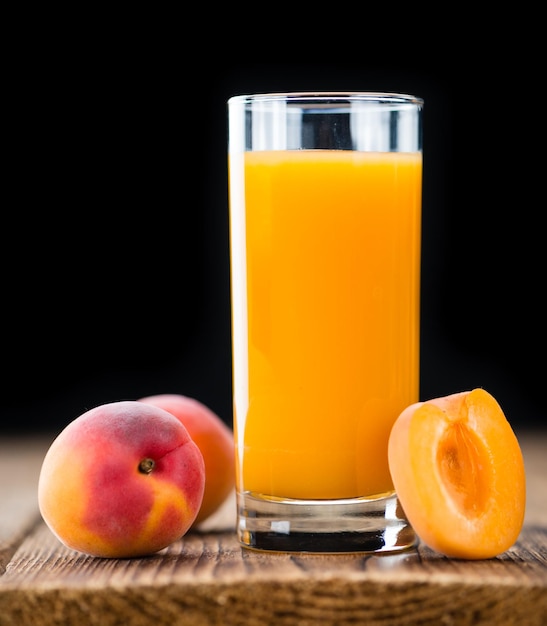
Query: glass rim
{"type": "Point", "coordinates": [328, 97]}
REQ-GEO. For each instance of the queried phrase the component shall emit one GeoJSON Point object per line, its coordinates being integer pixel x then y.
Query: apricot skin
{"type": "Point", "coordinates": [459, 474]}
{"type": "Point", "coordinates": [215, 440]}
{"type": "Point", "coordinates": [122, 480]}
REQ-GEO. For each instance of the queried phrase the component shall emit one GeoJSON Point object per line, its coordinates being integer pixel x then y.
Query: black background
{"type": "Point", "coordinates": [115, 250]}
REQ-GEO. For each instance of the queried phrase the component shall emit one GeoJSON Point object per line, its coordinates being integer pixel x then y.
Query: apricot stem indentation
{"type": "Point", "coordinates": [146, 466]}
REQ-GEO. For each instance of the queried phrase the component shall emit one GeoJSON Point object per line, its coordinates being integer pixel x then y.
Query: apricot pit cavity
{"type": "Point", "coordinates": [464, 468]}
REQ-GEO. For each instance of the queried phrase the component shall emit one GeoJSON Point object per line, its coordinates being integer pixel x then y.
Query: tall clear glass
{"type": "Point", "coordinates": [325, 230]}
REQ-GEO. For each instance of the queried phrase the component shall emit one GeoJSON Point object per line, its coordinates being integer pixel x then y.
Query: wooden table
{"type": "Point", "coordinates": [206, 578]}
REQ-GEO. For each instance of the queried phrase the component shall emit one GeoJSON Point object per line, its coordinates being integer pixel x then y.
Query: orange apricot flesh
{"type": "Point", "coordinates": [459, 474]}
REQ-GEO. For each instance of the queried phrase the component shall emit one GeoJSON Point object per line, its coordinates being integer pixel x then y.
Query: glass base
{"type": "Point", "coordinates": [369, 525]}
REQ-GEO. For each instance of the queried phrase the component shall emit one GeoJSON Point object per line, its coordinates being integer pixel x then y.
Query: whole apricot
{"type": "Point", "coordinates": [215, 440]}
{"type": "Point", "coordinates": [124, 479]}
{"type": "Point", "coordinates": [459, 474]}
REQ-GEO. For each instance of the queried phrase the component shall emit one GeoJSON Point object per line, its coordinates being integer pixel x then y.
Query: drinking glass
{"type": "Point", "coordinates": [325, 230]}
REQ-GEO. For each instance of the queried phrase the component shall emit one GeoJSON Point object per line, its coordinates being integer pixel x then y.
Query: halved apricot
{"type": "Point", "coordinates": [459, 474]}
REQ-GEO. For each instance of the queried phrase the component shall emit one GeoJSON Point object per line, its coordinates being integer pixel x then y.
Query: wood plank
{"type": "Point", "coordinates": [534, 450]}
{"type": "Point", "coordinates": [206, 578]}
{"type": "Point", "coordinates": [20, 462]}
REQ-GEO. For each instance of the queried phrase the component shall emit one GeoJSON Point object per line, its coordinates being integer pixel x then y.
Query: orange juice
{"type": "Point", "coordinates": [330, 284]}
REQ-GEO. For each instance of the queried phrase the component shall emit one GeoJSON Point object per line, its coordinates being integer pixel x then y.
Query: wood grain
{"type": "Point", "coordinates": [207, 578]}
{"type": "Point", "coordinates": [20, 462]}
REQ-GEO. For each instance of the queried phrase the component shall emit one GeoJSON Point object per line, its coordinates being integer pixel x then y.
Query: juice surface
{"type": "Point", "coordinates": [331, 284]}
